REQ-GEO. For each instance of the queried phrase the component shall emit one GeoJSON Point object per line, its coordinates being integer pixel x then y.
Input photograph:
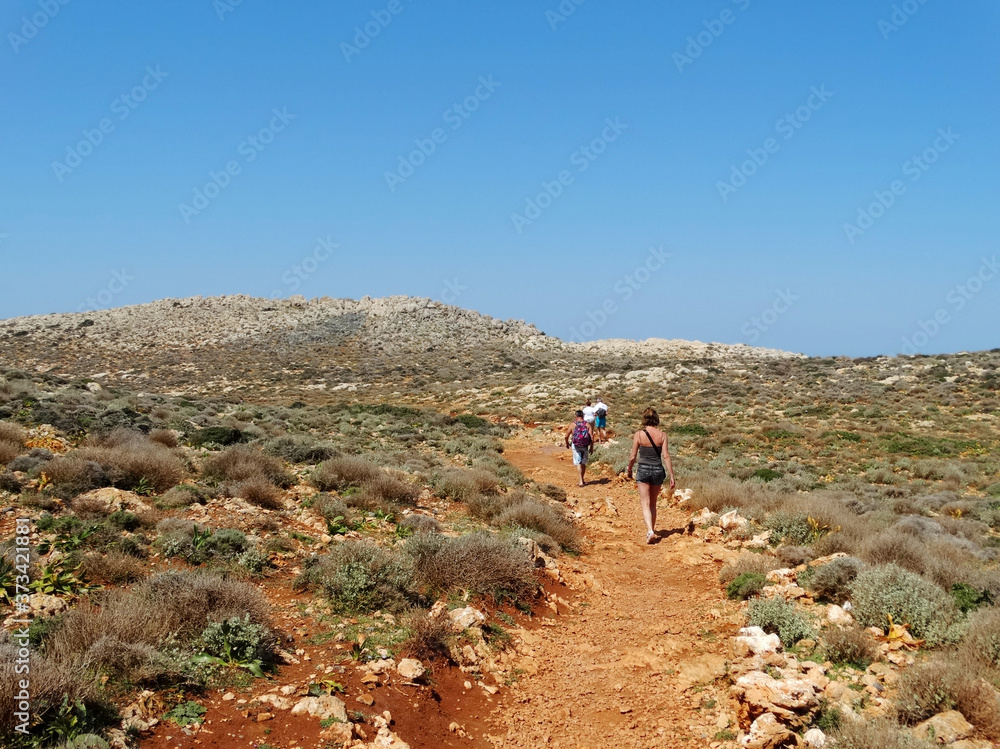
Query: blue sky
{"type": "Point", "coordinates": [765, 150]}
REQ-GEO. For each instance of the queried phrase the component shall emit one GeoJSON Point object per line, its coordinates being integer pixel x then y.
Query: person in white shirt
{"type": "Point", "coordinates": [588, 413]}
{"type": "Point", "coordinates": [601, 420]}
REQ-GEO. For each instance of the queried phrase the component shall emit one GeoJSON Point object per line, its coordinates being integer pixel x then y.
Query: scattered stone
{"type": "Point", "coordinates": [324, 707]}
{"type": "Point", "coordinates": [366, 699]}
{"type": "Point", "coordinates": [411, 669]}
{"type": "Point", "coordinates": [814, 738]}
{"type": "Point", "coordinates": [766, 732]}
{"type": "Point", "coordinates": [944, 728]}
{"type": "Point", "coordinates": [732, 521]}
{"type": "Point", "coordinates": [279, 703]}
{"type": "Point", "coordinates": [758, 693]}
{"type": "Point", "coordinates": [837, 615]}
{"type": "Point", "coordinates": [465, 618]}
{"type": "Point", "coordinates": [46, 605]}
{"type": "Point", "coordinates": [753, 641]}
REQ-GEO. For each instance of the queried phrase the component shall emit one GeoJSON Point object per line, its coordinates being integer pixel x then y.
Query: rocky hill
{"type": "Point", "coordinates": [244, 343]}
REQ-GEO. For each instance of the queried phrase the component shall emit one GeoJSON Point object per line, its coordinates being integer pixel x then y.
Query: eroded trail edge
{"type": "Point", "coordinates": [641, 638]}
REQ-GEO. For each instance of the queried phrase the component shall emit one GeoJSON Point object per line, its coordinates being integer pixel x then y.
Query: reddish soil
{"type": "Point", "coordinates": [631, 663]}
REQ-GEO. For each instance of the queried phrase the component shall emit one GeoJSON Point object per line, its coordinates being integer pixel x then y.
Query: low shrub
{"type": "Point", "coordinates": [530, 513]}
{"type": "Point", "coordinates": [478, 562]}
{"type": "Point", "coordinates": [114, 568]}
{"type": "Point", "coordinates": [553, 492]}
{"type": "Point", "coordinates": [852, 645]}
{"type": "Point", "coordinates": [832, 580]}
{"type": "Point", "coordinates": [31, 462]}
{"type": "Point", "coordinates": [780, 617]}
{"type": "Point", "coordinates": [461, 484]}
{"type": "Point", "coordinates": [429, 638]}
{"type": "Point", "coordinates": [747, 562]}
{"type": "Point", "coordinates": [877, 733]}
{"type": "Point", "coordinates": [746, 585]}
{"type": "Point", "coordinates": [241, 463]}
{"type": "Point", "coordinates": [183, 495]}
{"type": "Point", "coordinates": [259, 491]}
{"type": "Point", "coordinates": [944, 683]}
{"type": "Point", "coordinates": [300, 448]}
{"type": "Point", "coordinates": [217, 435]}
{"type": "Point", "coordinates": [420, 524]}
{"type": "Point", "coordinates": [880, 592]}
{"type": "Point", "coordinates": [981, 644]}
{"type": "Point", "coordinates": [340, 473]}
{"type": "Point", "coordinates": [165, 437]}
{"type": "Point", "coordinates": [13, 433]}
{"type": "Point", "coordinates": [793, 556]}
{"type": "Point", "coordinates": [10, 483]}
{"type": "Point", "coordinates": [359, 577]}
{"type": "Point", "coordinates": [385, 489]}
{"type": "Point", "coordinates": [329, 507]}
{"type": "Point", "coordinates": [239, 639]}
{"type": "Point", "coordinates": [789, 527]}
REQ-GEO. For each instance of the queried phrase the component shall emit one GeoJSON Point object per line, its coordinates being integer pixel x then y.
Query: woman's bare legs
{"type": "Point", "coordinates": [648, 494]}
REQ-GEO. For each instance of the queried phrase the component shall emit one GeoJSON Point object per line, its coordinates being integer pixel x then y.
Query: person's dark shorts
{"type": "Point", "coordinates": [654, 475]}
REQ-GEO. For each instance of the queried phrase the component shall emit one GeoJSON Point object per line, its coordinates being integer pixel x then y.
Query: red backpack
{"type": "Point", "coordinates": [581, 435]}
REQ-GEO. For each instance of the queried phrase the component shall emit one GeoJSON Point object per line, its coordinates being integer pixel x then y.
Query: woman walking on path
{"type": "Point", "coordinates": [582, 436]}
{"type": "Point", "coordinates": [649, 445]}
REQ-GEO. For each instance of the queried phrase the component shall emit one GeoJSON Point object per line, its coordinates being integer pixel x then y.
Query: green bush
{"type": "Point", "coordinates": [239, 639]}
{"type": "Point", "coordinates": [832, 580]}
{"type": "Point", "coordinates": [780, 617]}
{"type": "Point", "coordinates": [215, 436]}
{"type": "Point", "coordinates": [993, 490]}
{"type": "Point", "coordinates": [789, 527]}
{"type": "Point", "coordinates": [766, 474]}
{"type": "Point", "coordinates": [746, 585]}
{"type": "Point", "coordinates": [359, 577]}
{"type": "Point", "coordinates": [968, 598]}
{"type": "Point", "coordinates": [880, 592]}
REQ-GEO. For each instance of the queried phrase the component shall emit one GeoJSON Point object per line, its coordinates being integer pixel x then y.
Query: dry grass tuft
{"type": "Point", "coordinates": [165, 437]}
{"type": "Point", "coordinates": [851, 644]}
{"type": "Point", "coordinates": [479, 562]}
{"type": "Point", "coordinates": [341, 473]}
{"type": "Point", "coordinates": [429, 637]}
{"type": "Point", "coordinates": [114, 568]}
{"type": "Point", "coordinates": [242, 462]}
{"type": "Point", "coordinates": [259, 491]}
{"type": "Point", "coordinates": [747, 562]}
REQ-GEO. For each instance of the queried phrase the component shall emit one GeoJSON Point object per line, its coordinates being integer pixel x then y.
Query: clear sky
{"type": "Point", "coordinates": [819, 177]}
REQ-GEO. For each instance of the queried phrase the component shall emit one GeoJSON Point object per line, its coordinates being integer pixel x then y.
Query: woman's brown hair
{"type": "Point", "coordinates": [650, 418]}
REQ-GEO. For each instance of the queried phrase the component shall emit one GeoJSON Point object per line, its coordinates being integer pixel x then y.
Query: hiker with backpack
{"type": "Point", "coordinates": [601, 420]}
{"type": "Point", "coordinates": [649, 446]}
{"type": "Point", "coordinates": [581, 434]}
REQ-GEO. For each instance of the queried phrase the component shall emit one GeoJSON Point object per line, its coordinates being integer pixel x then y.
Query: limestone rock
{"type": "Point", "coordinates": [766, 732]}
{"type": "Point", "coordinates": [784, 576]}
{"type": "Point", "coordinates": [814, 738]}
{"type": "Point", "coordinates": [113, 499]}
{"type": "Point", "coordinates": [275, 701]}
{"type": "Point", "coordinates": [837, 615]}
{"type": "Point", "coordinates": [46, 605]}
{"type": "Point", "coordinates": [411, 669]}
{"type": "Point", "coordinates": [732, 521]}
{"type": "Point", "coordinates": [465, 618]}
{"type": "Point", "coordinates": [752, 640]}
{"type": "Point", "coordinates": [759, 693]}
{"type": "Point", "coordinates": [324, 707]}
{"type": "Point", "coordinates": [944, 728]}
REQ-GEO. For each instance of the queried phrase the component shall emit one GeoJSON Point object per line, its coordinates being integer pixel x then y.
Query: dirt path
{"type": "Point", "coordinates": [631, 661]}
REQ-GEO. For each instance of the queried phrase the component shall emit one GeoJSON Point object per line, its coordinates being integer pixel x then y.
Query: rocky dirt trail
{"type": "Point", "coordinates": [632, 658]}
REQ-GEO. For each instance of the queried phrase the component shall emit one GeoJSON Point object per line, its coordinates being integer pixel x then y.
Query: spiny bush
{"type": "Point", "coordinates": [888, 590]}
{"type": "Point", "coordinates": [165, 437]}
{"type": "Point", "coordinates": [851, 644]}
{"type": "Point", "coordinates": [340, 473]}
{"type": "Point", "coordinates": [530, 513]}
{"type": "Point", "coordinates": [420, 523]}
{"type": "Point", "coordinates": [183, 495]}
{"type": "Point", "coordinates": [876, 733]}
{"type": "Point", "coordinates": [359, 577]}
{"type": "Point", "coordinates": [11, 432]}
{"type": "Point", "coordinates": [780, 617]}
{"type": "Point", "coordinates": [981, 643]}
{"type": "Point", "coordinates": [429, 637]}
{"type": "Point", "coordinates": [31, 462]}
{"type": "Point", "coordinates": [478, 562]}
{"type": "Point", "coordinates": [330, 507]}
{"type": "Point", "coordinates": [259, 491]}
{"type": "Point", "coordinates": [832, 580]}
{"type": "Point", "coordinates": [114, 568]}
{"type": "Point", "coordinates": [462, 484]}
{"type": "Point", "coordinates": [300, 448]}
{"type": "Point", "coordinates": [385, 489]}
{"type": "Point", "coordinates": [945, 683]}
{"type": "Point", "coordinates": [553, 491]}
{"type": "Point", "coordinates": [242, 462]}
{"type": "Point", "coordinates": [746, 585]}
